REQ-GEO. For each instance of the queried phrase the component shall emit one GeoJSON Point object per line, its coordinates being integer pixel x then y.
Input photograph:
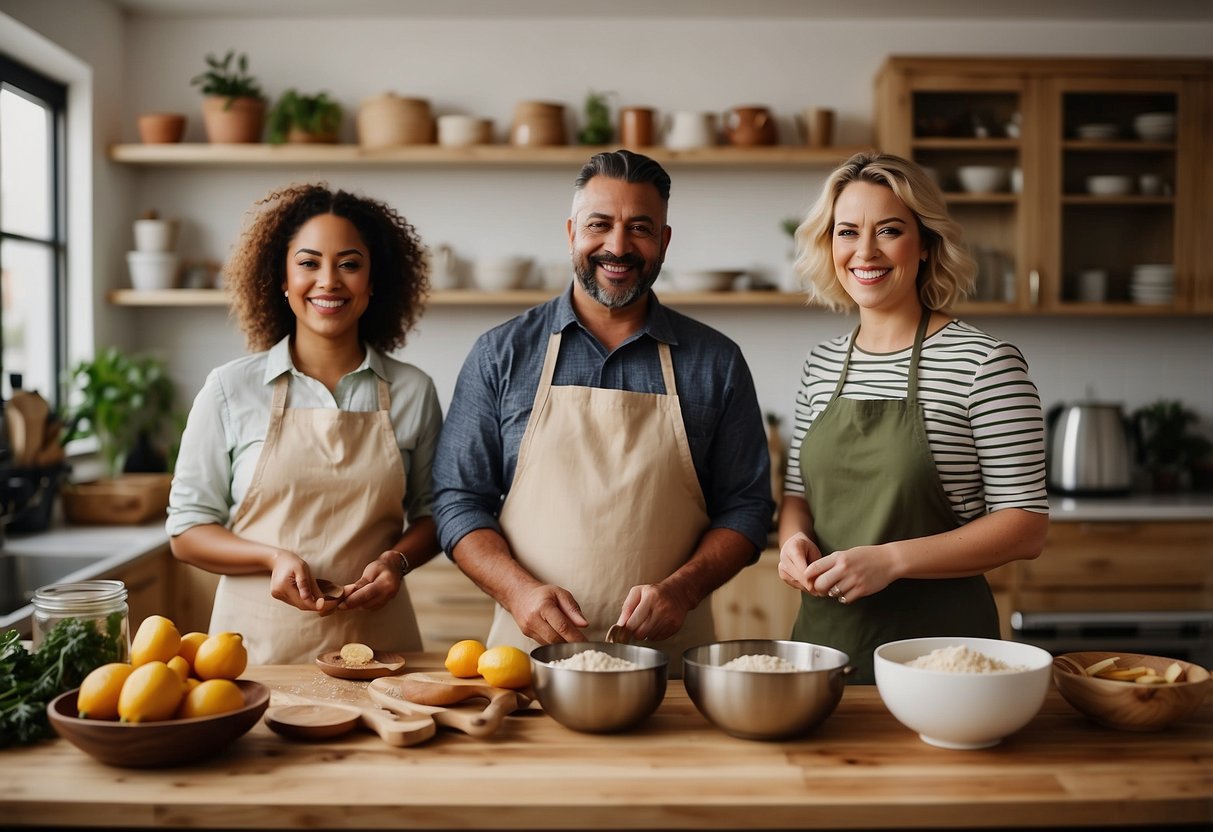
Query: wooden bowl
{"type": "Point", "coordinates": [167, 743]}
{"type": "Point", "coordinates": [1129, 706]}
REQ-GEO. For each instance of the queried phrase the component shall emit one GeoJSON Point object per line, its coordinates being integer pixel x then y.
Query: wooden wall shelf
{"type": "Point", "coordinates": [352, 155]}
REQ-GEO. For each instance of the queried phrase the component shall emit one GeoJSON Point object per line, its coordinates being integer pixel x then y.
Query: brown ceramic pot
{"type": "Point", "coordinates": [161, 128]}
{"type": "Point", "coordinates": [239, 122]}
{"type": "Point", "coordinates": [749, 126]}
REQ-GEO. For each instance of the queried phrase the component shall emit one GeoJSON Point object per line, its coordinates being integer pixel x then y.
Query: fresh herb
{"type": "Point", "coordinates": [28, 681]}
{"type": "Point", "coordinates": [221, 78]}
{"type": "Point", "coordinates": [597, 128]}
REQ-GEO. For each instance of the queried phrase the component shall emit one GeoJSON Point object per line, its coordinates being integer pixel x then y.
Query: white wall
{"type": "Point", "coordinates": [720, 218]}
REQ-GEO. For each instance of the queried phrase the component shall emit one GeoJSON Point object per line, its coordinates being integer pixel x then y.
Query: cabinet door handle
{"type": "Point", "coordinates": [1034, 287]}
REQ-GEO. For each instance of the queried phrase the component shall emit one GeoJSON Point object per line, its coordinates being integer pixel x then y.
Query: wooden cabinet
{"type": "Point", "coordinates": [1052, 125]}
{"type": "Point", "coordinates": [755, 603]}
{"type": "Point", "coordinates": [147, 585]}
{"type": "Point", "coordinates": [1111, 567]}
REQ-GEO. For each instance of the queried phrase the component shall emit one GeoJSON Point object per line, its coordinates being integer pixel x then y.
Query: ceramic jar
{"type": "Point", "coordinates": [538, 123]}
{"type": "Point", "coordinates": [749, 126]}
{"type": "Point", "coordinates": [388, 120]}
{"type": "Point", "coordinates": [686, 130]}
{"type": "Point", "coordinates": [161, 128]}
{"type": "Point", "coordinates": [636, 126]}
{"type": "Point", "coordinates": [817, 126]}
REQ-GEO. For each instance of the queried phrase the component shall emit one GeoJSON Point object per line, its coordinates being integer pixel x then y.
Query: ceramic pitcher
{"type": "Point", "coordinates": [686, 129]}
{"type": "Point", "coordinates": [749, 126]}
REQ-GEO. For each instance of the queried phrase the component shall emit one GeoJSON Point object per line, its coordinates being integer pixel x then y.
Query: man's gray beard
{"type": "Point", "coordinates": [610, 301]}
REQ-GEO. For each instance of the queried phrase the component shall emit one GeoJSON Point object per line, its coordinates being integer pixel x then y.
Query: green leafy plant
{"type": "Point", "coordinates": [1166, 441]}
{"type": "Point", "coordinates": [221, 78]}
{"type": "Point", "coordinates": [597, 128]}
{"type": "Point", "coordinates": [117, 398]}
{"type": "Point", "coordinates": [28, 681]}
{"type": "Point", "coordinates": [315, 114]}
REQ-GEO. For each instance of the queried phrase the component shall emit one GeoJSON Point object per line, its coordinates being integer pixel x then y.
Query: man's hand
{"type": "Point", "coordinates": [548, 614]}
{"type": "Point", "coordinates": [653, 612]}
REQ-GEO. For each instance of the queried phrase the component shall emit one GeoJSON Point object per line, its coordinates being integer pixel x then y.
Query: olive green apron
{"type": "Point", "coordinates": [870, 479]}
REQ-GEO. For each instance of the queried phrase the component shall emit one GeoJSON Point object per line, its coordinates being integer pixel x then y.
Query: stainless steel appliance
{"type": "Point", "coordinates": [1177, 634]}
{"type": "Point", "coordinates": [1088, 449]}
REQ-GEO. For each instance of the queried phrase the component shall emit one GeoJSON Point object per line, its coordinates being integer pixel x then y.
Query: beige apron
{"type": "Point", "coordinates": [604, 498]}
{"type": "Point", "coordinates": [329, 486]}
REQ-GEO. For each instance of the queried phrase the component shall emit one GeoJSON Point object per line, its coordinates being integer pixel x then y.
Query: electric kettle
{"type": "Point", "coordinates": [1088, 449]}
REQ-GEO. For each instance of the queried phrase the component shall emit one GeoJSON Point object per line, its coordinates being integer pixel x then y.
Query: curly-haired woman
{"type": "Point", "coordinates": [917, 456]}
{"type": "Point", "coordinates": [303, 460]}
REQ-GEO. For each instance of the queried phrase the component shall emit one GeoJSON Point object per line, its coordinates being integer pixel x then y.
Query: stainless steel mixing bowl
{"type": "Point", "coordinates": [599, 701]}
{"type": "Point", "coordinates": [758, 705]}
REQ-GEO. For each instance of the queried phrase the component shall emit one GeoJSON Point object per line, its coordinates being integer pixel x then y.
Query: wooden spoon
{"type": "Point", "coordinates": [386, 692]}
{"type": "Point", "coordinates": [425, 689]}
{"type": "Point", "coordinates": [330, 591]}
{"type": "Point", "coordinates": [617, 634]}
{"type": "Point", "coordinates": [321, 721]}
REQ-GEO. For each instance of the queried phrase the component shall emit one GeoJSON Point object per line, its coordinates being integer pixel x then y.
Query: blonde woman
{"type": "Point", "coordinates": [917, 456]}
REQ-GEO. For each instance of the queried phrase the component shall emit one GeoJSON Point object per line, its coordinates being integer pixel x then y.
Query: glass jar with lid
{"type": "Point", "coordinates": [101, 602]}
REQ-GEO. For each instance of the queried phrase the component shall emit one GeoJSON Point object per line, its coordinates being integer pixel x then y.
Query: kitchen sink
{"type": "Point", "coordinates": [22, 574]}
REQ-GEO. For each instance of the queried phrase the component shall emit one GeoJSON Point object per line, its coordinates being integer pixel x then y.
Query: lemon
{"type": "Point", "coordinates": [356, 654]}
{"type": "Point", "coordinates": [179, 666]}
{"type": "Point", "coordinates": [98, 697]}
{"type": "Point", "coordinates": [151, 693]}
{"type": "Point", "coordinates": [214, 696]}
{"type": "Point", "coordinates": [156, 640]}
{"type": "Point", "coordinates": [463, 657]}
{"type": "Point", "coordinates": [189, 646]}
{"type": "Point", "coordinates": [505, 667]}
{"type": "Point", "coordinates": [221, 656]}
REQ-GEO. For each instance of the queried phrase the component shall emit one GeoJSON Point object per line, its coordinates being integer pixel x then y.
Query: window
{"type": "Point", "coordinates": [32, 222]}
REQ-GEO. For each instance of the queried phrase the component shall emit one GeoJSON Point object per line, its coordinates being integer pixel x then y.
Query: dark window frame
{"type": "Point", "coordinates": [35, 86]}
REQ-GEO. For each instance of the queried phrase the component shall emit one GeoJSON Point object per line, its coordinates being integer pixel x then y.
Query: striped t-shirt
{"type": "Point", "coordinates": [981, 411]}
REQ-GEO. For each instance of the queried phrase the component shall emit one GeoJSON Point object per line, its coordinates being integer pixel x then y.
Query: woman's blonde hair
{"type": "Point", "coordinates": [945, 277]}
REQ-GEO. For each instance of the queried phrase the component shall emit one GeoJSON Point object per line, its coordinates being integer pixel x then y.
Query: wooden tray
{"type": "Point", "coordinates": [126, 500]}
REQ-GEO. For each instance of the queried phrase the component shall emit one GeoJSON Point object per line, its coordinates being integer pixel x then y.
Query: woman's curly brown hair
{"type": "Point", "coordinates": [256, 271]}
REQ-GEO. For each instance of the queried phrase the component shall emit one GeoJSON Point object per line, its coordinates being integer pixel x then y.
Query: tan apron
{"type": "Point", "coordinates": [604, 498]}
{"type": "Point", "coordinates": [329, 486]}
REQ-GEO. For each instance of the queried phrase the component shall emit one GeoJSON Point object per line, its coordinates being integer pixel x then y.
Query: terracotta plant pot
{"type": "Point", "coordinates": [240, 123]}
{"type": "Point", "coordinates": [161, 128]}
{"type": "Point", "coordinates": [297, 135]}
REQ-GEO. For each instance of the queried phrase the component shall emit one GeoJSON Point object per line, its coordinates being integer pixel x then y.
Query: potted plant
{"type": "Point", "coordinates": [1168, 449]}
{"type": "Point", "coordinates": [233, 110]}
{"type": "Point", "coordinates": [304, 118]}
{"type": "Point", "coordinates": [597, 128]}
{"type": "Point", "coordinates": [126, 403]}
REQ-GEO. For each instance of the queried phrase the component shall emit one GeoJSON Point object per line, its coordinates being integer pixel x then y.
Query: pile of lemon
{"type": "Point", "coordinates": [501, 667]}
{"type": "Point", "coordinates": [169, 676]}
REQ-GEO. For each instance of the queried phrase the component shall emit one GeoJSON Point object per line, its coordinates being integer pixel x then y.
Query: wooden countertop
{"type": "Point", "coordinates": [859, 769]}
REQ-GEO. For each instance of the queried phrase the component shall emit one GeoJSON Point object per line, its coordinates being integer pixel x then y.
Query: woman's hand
{"type": "Point", "coordinates": [292, 582]}
{"type": "Point", "coordinates": [851, 574]}
{"type": "Point", "coordinates": [797, 552]}
{"type": "Point", "coordinates": [380, 583]}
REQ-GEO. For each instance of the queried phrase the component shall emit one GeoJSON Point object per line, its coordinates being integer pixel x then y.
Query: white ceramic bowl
{"type": "Point", "coordinates": [705, 280]}
{"type": "Point", "coordinates": [151, 270]}
{"type": "Point", "coordinates": [963, 710]}
{"type": "Point", "coordinates": [1109, 185]}
{"type": "Point", "coordinates": [1097, 131]}
{"type": "Point", "coordinates": [983, 179]}
{"type": "Point", "coordinates": [500, 274]}
{"type": "Point", "coordinates": [1155, 127]}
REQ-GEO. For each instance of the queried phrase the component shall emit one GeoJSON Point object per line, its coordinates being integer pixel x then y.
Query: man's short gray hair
{"type": "Point", "coordinates": [626, 166]}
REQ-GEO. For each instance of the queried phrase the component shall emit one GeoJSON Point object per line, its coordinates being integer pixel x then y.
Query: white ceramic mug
{"type": "Point", "coordinates": [1093, 285]}
{"type": "Point", "coordinates": [686, 130]}
{"type": "Point", "coordinates": [155, 235]}
{"type": "Point", "coordinates": [444, 268]}
{"type": "Point", "coordinates": [1150, 184]}
{"type": "Point", "coordinates": [459, 130]}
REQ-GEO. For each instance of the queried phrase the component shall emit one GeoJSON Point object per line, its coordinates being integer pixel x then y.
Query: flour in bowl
{"type": "Point", "coordinates": [761, 663]}
{"type": "Point", "coordinates": [960, 659]}
{"type": "Point", "coordinates": [595, 660]}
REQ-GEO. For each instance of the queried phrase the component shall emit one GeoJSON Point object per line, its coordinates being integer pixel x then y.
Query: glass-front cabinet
{"type": "Point", "coordinates": [1081, 184]}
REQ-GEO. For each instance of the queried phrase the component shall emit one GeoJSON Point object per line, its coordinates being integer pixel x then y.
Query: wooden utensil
{"type": "Point", "coordinates": [444, 689]}
{"type": "Point", "coordinates": [383, 664]}
{"type": "Point", "coordinates": [617, 634]}
{"type": "Point", "coordinates": [387, 693]}
{"type": "Point", "coordinates": [320, 721]}
{"type": "Point", "coordinates": [330, 591]}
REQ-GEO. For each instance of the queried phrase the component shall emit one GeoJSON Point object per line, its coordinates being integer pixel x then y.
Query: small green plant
{"type": "Point", "coordinates": [597, 128]}
{"type": "Point", "coordinates": [118, 398]}
{"type": "Point", "coordinates": [221, 78]}
{"type": "Point", "coordinates": [1166, 441]}
{"type": "Point", "coordinates": [315, 114]}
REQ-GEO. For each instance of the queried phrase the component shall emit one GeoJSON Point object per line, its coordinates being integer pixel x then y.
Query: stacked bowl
{"type": "Point", "coordinates": [153, 264]}
{"type": "Point", "coordinates": [1153, 283]}
{"type": "Point", "coordinates": [1155, 127]}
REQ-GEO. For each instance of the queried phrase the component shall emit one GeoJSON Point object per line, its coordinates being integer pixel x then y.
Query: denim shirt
{"type": "Point", "coordinates": [478, 449]}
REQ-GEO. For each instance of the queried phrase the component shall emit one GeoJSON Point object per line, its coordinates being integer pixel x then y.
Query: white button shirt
{"type": "Point", "coordinates": [227, 424]}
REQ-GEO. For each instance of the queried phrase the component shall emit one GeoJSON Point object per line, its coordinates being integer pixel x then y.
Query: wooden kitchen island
{"type": "Point", "coordinates": [860, 769]}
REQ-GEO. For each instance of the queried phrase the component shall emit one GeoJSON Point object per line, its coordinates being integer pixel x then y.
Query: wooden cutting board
{"type": "Point", "coordinates": [472, 719]}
